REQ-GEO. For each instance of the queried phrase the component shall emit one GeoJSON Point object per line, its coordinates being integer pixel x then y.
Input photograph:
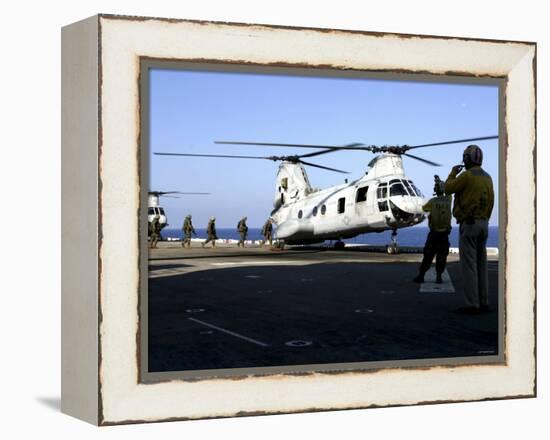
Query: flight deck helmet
{"type": "Point", "coordinates": [439, 186]}
{"type": "Point", "coordinates": [474, 154]}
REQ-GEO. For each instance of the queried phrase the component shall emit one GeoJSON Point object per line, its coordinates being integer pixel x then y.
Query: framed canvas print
{"type": "Point", "coordinates": [262, 219]}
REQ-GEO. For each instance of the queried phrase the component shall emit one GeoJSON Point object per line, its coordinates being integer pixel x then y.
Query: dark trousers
{"type": "Point", "coordinates": [437, 245]}
{"type": "Point", "coordinates": [473, 259]}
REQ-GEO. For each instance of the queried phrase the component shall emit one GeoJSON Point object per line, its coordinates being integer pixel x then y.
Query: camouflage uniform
{"type": "Point", "coordinates": [155, 231]}
{"type": "Point", "coordinates": [211, 233]}
{"type": "Point", "coordinates": [243, 231]}
{"type": "Point", "coordinates": [188, 230]}
{"type": "Point", "coordinates": [267, 232]}
{"type": "Point", "coordinates": [474, 200]}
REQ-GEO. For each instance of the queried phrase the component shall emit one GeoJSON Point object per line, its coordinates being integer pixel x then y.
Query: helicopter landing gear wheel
{"type": "Point", "coordinates": [393, 248]}
{"type": "Point", "coordinates": [339, 245]}
{"type": "Point", "coordinates": [278, 246]}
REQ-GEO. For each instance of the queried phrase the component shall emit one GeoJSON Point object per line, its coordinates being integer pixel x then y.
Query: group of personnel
{"type": "Point", "coordinates": [472, 208]}
{"type": "Point", "coordinates": [211, 235]}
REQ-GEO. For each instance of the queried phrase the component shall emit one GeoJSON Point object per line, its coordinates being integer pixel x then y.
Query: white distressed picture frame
{"type": "Point", "coordinates": [101, 190]}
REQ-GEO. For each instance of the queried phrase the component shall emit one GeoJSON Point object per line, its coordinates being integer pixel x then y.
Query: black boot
{"type": "Point", "coordinates": [419, 278]}
{"type": "Point", "coordinates": [438, 279]}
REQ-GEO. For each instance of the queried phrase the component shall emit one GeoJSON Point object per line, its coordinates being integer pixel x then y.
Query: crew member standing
{"type": "Point", "coordinates": [267, 232]}
{"type": "Point", "coordinates": [188, 229]}
{"type": "Point", "coordinates": [474, 200]}
{"type": "Point", "coordinates": [437, 242]}
{"type": "Point", "coordinates": [155, 231]}
{"type": "Point", "coordinates": [243, 231]}
{"type": "Point", "coordinates": [211, 232]}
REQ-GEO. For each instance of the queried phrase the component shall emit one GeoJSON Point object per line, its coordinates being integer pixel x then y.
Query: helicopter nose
{"type": "Point", "coordinates": [411, 205]}
{"type": "Point", "coordinates": [409, 212]}
{"type": "Point", "coordinates": [417, 205]}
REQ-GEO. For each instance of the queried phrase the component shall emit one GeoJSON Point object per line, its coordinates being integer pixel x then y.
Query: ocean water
{"type": "Point", "coordinates": [415, 236]}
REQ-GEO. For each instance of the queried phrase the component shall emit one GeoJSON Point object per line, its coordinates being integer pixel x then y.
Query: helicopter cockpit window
{"type": "Point", "coordinates": [382, 191]}
{"type": "Point", "coordinates": [151, 211]}
{"type": "Point", "coordinates": [409, 187]}
{"type": "Point", "coordinates": [397, 189]}
{"type": "Point", "coordinates": [300, 213]}
{"type": "Point", "coordinates": [361, 194]}
{"type": "Point", "coordinates": [161, 211]}
{"type": "Point", "coordinates": [284, 183]}
{"type": "Point", "coordinates": [416, 190]}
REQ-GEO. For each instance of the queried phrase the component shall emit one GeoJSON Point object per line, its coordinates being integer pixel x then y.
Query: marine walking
{"type": "Point", "coordinates": [267, 232]}
{"type": "Point", "coordinates": [242, 228]}
{"type": "Point", "coordinates": [188, 231]}
{"type": "Point", "coordinates": [155, 231]}
{"type": "Point", "coordinates": [211, 233]}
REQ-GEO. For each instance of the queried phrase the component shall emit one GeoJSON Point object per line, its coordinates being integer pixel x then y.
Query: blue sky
{"type": "Point", "coordinates": [189, 110]}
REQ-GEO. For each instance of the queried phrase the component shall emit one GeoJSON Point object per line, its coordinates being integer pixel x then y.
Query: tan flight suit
{"type": "Point", "coordinates": [437, 242]}
{"type": "Point", "coordinates": [474, 200]}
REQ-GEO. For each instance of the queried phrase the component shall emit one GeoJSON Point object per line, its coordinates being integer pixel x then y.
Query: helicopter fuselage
{"type": "Point", "coordinates": [383, 199]}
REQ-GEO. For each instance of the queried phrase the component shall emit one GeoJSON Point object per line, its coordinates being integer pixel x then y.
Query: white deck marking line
{"type": "Point", "coordinates": [234, 263]}
{"type": "Point", "coordinates": [229, 332]}
{"type": "Point", "coordinates": [431, 287]}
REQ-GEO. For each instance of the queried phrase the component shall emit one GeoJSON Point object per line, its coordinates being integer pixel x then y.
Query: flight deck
{"type": "Point", "coordinates": [231, 307]}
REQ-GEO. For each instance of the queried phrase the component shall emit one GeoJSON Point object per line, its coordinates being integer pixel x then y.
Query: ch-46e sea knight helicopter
{"type": "Point", "coordinates": [154, 208]}
{"type": "Point", "coordinates": [384, 198]}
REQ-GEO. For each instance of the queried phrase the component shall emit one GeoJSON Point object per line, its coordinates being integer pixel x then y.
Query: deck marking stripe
{"type": "Point", "coordinates": [431, 287]}
{"type": "Point", "coordinates": [234, 263]}
{"type": "Point", "coordinates": [229, 332]}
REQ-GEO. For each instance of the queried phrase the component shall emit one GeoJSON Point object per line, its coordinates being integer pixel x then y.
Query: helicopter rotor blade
{"type": "Point", "coordinates": [429, 162]}
{"type": "Point", "coordinates": [325, 148]}
{"type": "Point", "coordinates": [181, 192]}
{"type": "Point", "coordinates": [214, 155]}
{"type": "Point", "coordinates": [294, 159]}
{"type": "Point", "coordinates": [164, 193]}
{"type": "Point", "coordinates": [184, 193]}
{"type": "Point", "coordinates": [274, 144]}
{"type": "Point", "coordinates": [354, 146]}
{"type": "Point", "coordinates": [318, 153]}
{"type": "Point", "coordinates": [484, 138]}
{"type": "Point", "coordinates": [323, 167]}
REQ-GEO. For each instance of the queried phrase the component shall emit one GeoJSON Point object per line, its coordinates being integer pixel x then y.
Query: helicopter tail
{"type": "Point", "coordinates": [292, 182]}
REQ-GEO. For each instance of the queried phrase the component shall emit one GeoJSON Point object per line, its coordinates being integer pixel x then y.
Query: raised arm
{"type": "Point", "coordinates": [455, 184]}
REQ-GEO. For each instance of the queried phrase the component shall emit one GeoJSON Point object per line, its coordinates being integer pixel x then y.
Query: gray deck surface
{"type": "Point", "coordinates": [234, 308]}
